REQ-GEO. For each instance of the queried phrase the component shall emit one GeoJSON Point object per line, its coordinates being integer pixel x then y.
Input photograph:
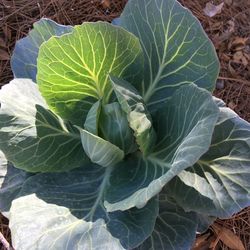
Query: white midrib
{"type": "Point", "coordinates": [91, 213]}
{"type": "Point", "coordinates": [151, 89]}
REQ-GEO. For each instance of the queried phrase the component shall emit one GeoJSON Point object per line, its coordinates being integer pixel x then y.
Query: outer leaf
{"type": "Point", "coordinates": [91, 123]}
{"type": "Point", "coordinates": [116, 21]}
{"type": "Point", "coordinates": [65, 211]}
{"type": "Point", "coordinates": [204, 222]}
{"type": "Point", "coordinates": [114, 127]}
{"type": "Point", "coordinates": [218, 184]}
{"type": "Point", "coordinates": [174, 228]}
{"type": "Point", "coordinates": [185, 128]}
{"type": "Point", "coordinates": [220, 103]}
{"type": "Point", "coordinates": [11, 180]}
{"type": "Point", "coordinates": [138, 117]}
{"type": "Point", "coordinates": [100, 151]}
{"type": "Point", "coordinates": [176, 49]}
{"type": "Point", "coordinates": [24, 58]}
{"type": "Point", "coordinates": [32, 137]}
{"type": "Point", "coordinates": [73, 69]}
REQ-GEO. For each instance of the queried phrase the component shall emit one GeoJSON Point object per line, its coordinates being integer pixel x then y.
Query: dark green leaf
{"type": "Point", "coordinates": [114, 127]}
{"type": "Point", "coordinates": [185, 128]}
{"type": "Point", "coordinates": [100, 151]}
{"type": "Point", "coordinates": [32, 137]}
{"type": "Point", "coordinates": [218, 184]}
{"type": "Point", "coordinates": [174, 228]}
{"type": "Point", "coordinates": [176, 49]}
{"type": "Point", "coordinates": [11, 181]}
{"type": "Point", "coordinates": [65, 211]}
{"type": "Point", "coordinates": [92, 119]}
{"type": "Point", "coordinates": [204, 221]}
{"type": "Point", "coordinates": [138, 117]}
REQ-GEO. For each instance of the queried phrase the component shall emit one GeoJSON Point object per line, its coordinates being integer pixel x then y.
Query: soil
{"type": "Point", "coordinates": [229, 31]}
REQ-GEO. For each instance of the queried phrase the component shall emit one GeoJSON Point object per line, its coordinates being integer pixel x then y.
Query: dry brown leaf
{"type": "Point", "coordinates": [105, 3]}
{"type": "Point", "coordinates": [247, 56]}
{"type": "Point", "coordinates": [239, 57]}
{"type": "Point", "coordinates": [231, 26]}
{"type": "Point", "coordinates": [4, 55]}
{"type": "Point", "coordinates": [212, 10]}
{"type": "Point", "coordinates": [225, 57]}
{"type": "Point", "coordinates": [201, 242]}
{"type": "Point", "coordinates": [228, 237]}
{"type": "Point", "coordinates": [2, 43]}
{"type": "Point", "coordinates": [7, 32]}
{"type": "Point", "coordinates": [228, 2]}
{"type": "Point", "coordinates": [214, 243]}
{"type": "Point", "coordinates": [237, 44]}
{"type": "Point", "coordinates": [231, 69]}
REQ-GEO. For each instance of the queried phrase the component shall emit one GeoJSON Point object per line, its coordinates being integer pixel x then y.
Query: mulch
{"type": "Point", "coordinates": [229, 31]}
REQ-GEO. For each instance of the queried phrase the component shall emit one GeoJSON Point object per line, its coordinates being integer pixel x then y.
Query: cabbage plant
{"type": "Point", "coordinates": [110, 137]}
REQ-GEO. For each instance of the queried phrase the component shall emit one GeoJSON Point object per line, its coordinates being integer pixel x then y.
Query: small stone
{"type": "Point", "coordinates": [220, 84]}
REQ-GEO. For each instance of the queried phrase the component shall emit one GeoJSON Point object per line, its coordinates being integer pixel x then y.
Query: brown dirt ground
{"type": "Point", "coordinates": [229, 31]}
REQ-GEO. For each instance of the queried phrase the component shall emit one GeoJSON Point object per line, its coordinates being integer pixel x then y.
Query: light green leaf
{"type": "Point", "coordinates": [11, 180]}
{"type": "Point", "coordinates": [91, 123]}
{"type": "Point", "coordinates": [138, 117]}
{"type": "Point", "coordinates": [174, 228]}
{"type": "Point", "coordinates": [24, 57]}
{"type": "Point", "coordinates": [114, 128]}
{"type": "Point", "coordinates": [32, 137]}
{"type": "Point", "coordinates": [218, 184]}
{"type": "Point", "coordinates": [100, 151]}
{"type": "Point", "coordinates": [185, 126]}
{"type": "Point", "coordinates": [176, 49]}
{"type": "Point", "coordinates": [65, 211]}
{"type": "Point", "coordinates": [73, 69]}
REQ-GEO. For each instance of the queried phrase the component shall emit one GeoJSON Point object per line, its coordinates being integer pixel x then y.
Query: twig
{"type": "Point", "coordinates": [240, 13]}
{"type": "Point", "coordinates": [5, 242]}
{"type": "Point", "coordinates": [235, 80]}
